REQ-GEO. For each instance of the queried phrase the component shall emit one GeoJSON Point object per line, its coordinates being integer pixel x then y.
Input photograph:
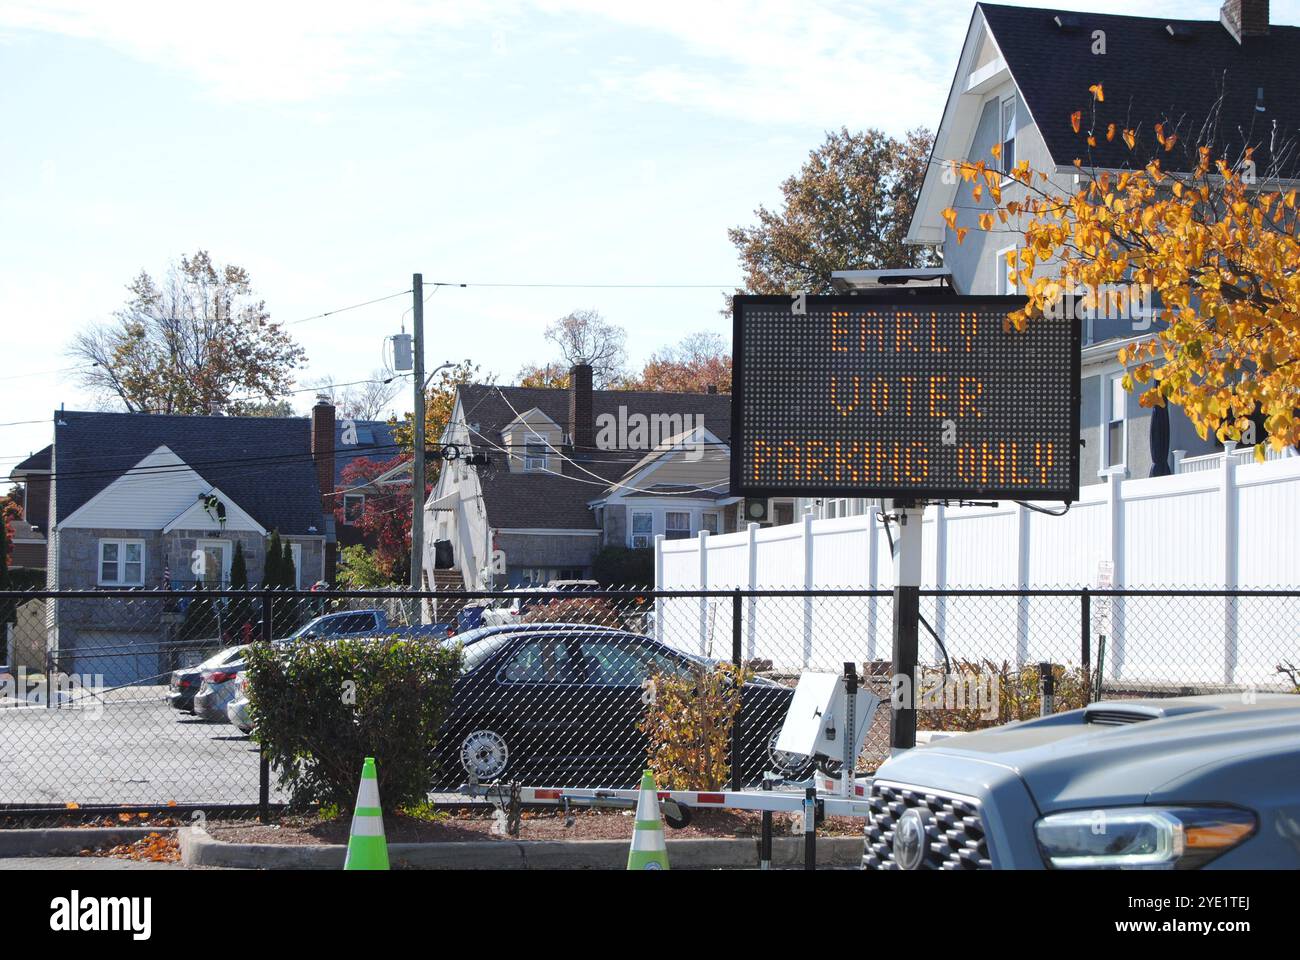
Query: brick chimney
{"type": "Point", "coordinates": [322, 450]}
{"type": "Point", "coordinates": [582, 419]}
{"type": "Point", "coordinates": [322, 454]}
{"type": "Point", "coordinates": [1245, 18]}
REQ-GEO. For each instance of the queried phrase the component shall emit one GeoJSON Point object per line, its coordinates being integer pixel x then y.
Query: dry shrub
{"type": "Point", "coordinates": [688, 720]}
{"type": "Point", "coordinates": [1016, 693]}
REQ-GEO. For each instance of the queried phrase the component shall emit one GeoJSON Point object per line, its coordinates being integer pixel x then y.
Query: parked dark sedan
{"type": "Point", "coordinates": [560, 703]}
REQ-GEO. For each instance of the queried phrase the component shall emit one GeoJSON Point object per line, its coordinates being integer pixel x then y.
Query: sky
{"type": "Point", "coordinates": [335, 149]}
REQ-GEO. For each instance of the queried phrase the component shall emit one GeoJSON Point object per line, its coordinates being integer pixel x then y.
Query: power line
{"type": "Point", "coordinates": [593, 286]}
{"type": "Point", "coordinates": [355, 306]}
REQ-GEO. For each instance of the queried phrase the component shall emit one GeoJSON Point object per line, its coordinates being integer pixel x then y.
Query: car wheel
{"type": "Point", "coordinates": [484, 753]}
{"type": "Point", "coordinates": [792, 766]}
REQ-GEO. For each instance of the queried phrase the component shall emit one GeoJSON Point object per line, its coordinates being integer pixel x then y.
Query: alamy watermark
{"type": "Point", "coordinates": [639, 431]}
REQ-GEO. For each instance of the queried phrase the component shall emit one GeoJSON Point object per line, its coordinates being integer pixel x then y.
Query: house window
{"type": "Point", "coordinates": [1008, 129]}
{"type": "Point", "coordinates": [535, 456]}
{"type": "Point", "coordinates": [677, 526]}
{"type": "Point", "coordinates": [643, 525]}
{"type": "Point", "coordinates": [709, 522]}
{"type": "Point", "coordinates": [782, 512]}
{"type": "Point", "coordinates": [354, 505]}
{"type": "Point", "coordinates": [1003, 284]}
{"type": "Point", "coordinates": [1116, 402]}
{"type": "Point", "coordinates": [121, 563]}
{"type": "Point", "coordinates": [211, 562]}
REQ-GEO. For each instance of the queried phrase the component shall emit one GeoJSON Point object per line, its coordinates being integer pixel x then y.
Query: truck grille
{"type": "Point", "coordinates": [953, 829]}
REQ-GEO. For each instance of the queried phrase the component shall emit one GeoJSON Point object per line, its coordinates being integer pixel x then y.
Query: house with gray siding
{"type": "Point", "coordinates": [147, 502]}
{"type": "Point", "coordinates": [1021, 73]}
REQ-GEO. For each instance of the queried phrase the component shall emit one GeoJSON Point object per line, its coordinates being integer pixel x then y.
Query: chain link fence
{"type": "Point", "coordinates": [114, 701]}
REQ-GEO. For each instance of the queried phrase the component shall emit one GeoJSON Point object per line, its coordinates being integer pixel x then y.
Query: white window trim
{"type": "Point", "coordinates": [1003, 99]}
{"type": "Point", "coordinates": [1106, 468]}
{"type": "Point", "coordinates": [227, 555]}
{"type": "Point", "coordinates": [346, 498]}
{"type": "Point", "coordinates": [534, 439]}
{"type": "Point", "coordinates": [631, 525]}
{"type": "Point", "coordinates": [121, 563]}
{"type": "Point", "coordinates": [1000, 278]}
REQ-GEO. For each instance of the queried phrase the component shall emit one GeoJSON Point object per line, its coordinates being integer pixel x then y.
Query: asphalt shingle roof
{"type": "Point", "coordinates": [262, 463]}
{"type": "Point", "coordinates": [542, 500]}
{"type": "Point", "coordinates": [1151, 77]}
{"type": "Point", "coordinates": [37, 461]}
{"type": "Point", "coordinates": [374, 441]}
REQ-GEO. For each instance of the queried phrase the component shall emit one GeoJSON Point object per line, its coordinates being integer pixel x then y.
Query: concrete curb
{"type": "Point", "coordinates": [198, 848]}
{"type": "Point", "coordinates": [70, 840]}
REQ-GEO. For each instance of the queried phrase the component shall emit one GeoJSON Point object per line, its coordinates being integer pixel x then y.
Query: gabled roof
{"type": "Point", "coordinates": [1150, 76]}
{"type": "Point", "coordinates": [263, 463]}
{"type": "Point", "coordinates": [548, 501]}
{"type": "Point", "coordinates": [38, 462]}
{"type": "Point", "coordinates": [712, 451]}
{"type": "Point", "coordinates": [374, 440]}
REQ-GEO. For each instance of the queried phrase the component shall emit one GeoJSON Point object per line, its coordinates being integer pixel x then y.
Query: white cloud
{"type": "Point", "coordinates": [252, 50]}
{"type": "Point", "coordinates": [824, 62]}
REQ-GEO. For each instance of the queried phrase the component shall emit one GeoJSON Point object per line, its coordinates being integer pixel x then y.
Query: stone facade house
{"type": "Point", "coordinates": [143, 502]}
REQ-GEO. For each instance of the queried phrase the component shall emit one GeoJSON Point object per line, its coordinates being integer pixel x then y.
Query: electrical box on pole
{"type": "Point", "coordinates": [403, 359]}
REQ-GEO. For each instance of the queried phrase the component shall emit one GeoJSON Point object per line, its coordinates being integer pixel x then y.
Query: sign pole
{"type": "Point", "coordinates": [907, 623]}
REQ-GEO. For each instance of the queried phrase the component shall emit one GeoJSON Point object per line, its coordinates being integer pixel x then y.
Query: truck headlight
{"type": "Point", "coordinates": [1137, 838]}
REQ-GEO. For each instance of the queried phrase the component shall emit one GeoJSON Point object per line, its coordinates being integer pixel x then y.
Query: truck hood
{"type": "Point", "coordinates": [1132, 751]}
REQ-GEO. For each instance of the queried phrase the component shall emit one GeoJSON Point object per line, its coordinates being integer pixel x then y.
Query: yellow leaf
{"type": "Point", "coordinates": [950, 217]}
{"type": "Point", "coordinates": [986, 221]}
{"type": "Point", "coordinates": [1130, 138]}
{"type": "Point", "coordinates": [996, 150]}
{"type": "Point", "coordinates": [961, 234]}
{"type": "Point", "coordinates": [1076, 120]}
{"type": "Point", "coordinates": [1110, 132]}
{"type": "Point", "coordinates": [1097, 91]}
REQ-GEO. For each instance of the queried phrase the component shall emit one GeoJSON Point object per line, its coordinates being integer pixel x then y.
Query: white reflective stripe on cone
{"type": "Point", "coordinates": [367, 826]}
{"type": "Point", "coordinates": [368, 794]}
{"type": "Point", "coordinates": [647, 840]}
{"type": "Point", "coordinates": [647, 806]}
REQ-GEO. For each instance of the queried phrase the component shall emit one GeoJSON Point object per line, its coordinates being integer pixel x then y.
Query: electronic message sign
{"type": "Point", "coordinates": [909, 395]}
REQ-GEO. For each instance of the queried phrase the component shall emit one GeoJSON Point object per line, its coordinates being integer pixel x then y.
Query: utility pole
{"type": "Point", "coordinates": [417, 477]}
{"type": "Point", "coordinates": [907, 616]}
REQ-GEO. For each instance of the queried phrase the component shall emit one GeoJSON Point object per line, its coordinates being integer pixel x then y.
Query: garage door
{"type": "Point", "coordinates": [122, 658]}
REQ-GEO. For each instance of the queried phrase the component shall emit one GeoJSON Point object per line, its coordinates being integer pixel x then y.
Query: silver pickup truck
{"type": "Point", "coordinates": [1183, 783]}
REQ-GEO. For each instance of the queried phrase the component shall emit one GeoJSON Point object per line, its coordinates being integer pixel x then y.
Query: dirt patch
{"type": "Point", "coordinates": [465, 825]}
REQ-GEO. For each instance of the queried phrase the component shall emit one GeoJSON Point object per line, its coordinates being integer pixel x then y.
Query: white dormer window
{"type": "Point", "coordinates": [1008, 132]}
{"type": "Point", "coordinates": [534, 456]}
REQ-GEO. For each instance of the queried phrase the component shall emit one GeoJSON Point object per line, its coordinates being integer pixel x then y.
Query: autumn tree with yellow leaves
{"type": "Point", "coordinates": [1212, 236]}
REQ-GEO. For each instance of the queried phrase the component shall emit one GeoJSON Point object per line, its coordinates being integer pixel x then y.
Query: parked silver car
{"type": "Point", "coordinates": [218, 689]}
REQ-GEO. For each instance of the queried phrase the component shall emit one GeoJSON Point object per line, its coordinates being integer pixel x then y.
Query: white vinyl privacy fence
{"type": "Point", "coordinates": [1235, 527]}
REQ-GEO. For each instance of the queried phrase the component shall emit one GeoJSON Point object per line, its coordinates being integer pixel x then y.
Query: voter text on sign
{"type": "Point", "coordinates": [905, 395]}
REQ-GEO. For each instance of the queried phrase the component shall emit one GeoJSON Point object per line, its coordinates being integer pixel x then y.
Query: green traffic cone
{"type": "Point", "coordinates": [648, 850]}
{"type": "Point", "coordinates": [367, 848]}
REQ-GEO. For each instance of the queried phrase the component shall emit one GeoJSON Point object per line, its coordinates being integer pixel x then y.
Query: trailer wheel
{"type": "Point", "coordinates": [676, 815]}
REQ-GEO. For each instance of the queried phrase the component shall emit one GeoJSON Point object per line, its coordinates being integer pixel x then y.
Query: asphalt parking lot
{"type": "Point", "coordinates": [135, 749]}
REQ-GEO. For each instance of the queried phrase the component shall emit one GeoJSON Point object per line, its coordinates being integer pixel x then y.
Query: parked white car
{"type": "Point", "coordinates": [237, 709]}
